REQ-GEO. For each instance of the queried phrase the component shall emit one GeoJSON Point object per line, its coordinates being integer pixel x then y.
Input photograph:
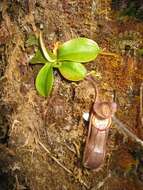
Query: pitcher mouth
{"type": "Point", "coordinates": [101, 124]}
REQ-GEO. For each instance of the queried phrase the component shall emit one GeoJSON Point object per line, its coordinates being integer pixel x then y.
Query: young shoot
{"type": "Point", "coordinates": [68, 58]}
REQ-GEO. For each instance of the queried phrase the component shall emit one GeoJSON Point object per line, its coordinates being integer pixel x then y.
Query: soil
{"type": "Point", "coordinates": [42, 139]}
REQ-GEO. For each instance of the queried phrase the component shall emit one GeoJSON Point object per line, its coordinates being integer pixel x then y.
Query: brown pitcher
{"type": "Point", "coordinates": [100, 121]}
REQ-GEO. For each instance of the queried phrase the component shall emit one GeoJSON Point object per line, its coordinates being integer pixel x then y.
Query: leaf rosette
{"type": "Point", "coordinates": [68, 59]}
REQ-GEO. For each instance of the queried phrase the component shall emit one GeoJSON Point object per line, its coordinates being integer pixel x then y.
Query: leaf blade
{"type": "Point", "coordinates": [72, 71]}
{"type": "Point", "coordinates": [44, 80]}
{"type": "Point", "coordinates": [38, 58]}
{"type": "Point", "coordinates": [79, 50]}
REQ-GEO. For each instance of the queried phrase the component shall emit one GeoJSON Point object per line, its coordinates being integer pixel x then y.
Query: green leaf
{"type": "Point", "coordinates": [79, 50]}
{"type": "Point", "coordinates": [73, 71]}
{"type": "Point", "coordinates": [47, 54]}
{"type": "Point", "coordinates": [38, 58]}
{"type": "Point", "coordinates": [44, 80]}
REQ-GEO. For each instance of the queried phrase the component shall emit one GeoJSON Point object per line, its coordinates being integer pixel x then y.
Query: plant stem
{"type": "Point", "coordinates": [122, 127]}
{"type": "Point", "coordinates": [109, 54]}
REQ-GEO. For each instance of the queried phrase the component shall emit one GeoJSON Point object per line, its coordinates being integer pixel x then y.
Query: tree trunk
{"type": "Point", "coordinates": [42, 139]}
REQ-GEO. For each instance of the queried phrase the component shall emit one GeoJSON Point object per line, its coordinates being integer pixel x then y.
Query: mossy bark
{"type": "Point", "coordinates": [44, 137]}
